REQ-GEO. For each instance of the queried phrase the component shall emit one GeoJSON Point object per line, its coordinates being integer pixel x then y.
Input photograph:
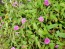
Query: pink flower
{"type": "Point", "coordinates": [15, 4]}
{"type": "Point", "coordinates": [46, 2]}
{"type": "Point", "coordinates": [47, 41]}
{"type": "Point", "coordinates": [13, 48]}
{"type": "Point", "coordinates": [56, 46]}
{"type": "Point", "coordinates": [16, 27]}
{"type": "Point", "coordinates": [41, 19]}
{"type": "Point", "coordinates": [23, 20]}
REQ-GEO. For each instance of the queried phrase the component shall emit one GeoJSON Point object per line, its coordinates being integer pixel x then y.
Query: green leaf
{"type": "Point", "coordinates": [37, 42]}
{"type": "Point", "coordinates": [35, 26]}
{"type": "Point", "coordinates": [42, 32]}
{"type": "Point", "coordinates": [46, 47]}
{"type": "Point", "coordinates": [62, 4]}
{"type": "Point", "coordinates": [51, 26]}
{"type": "Point", "coordinates": [51, 45]}
{"type": "Point", "coordinates": [62, 35]}
{"type": "Point", "coordinates": [60, 43]}
{"type": "Point", "coordinates": [45, 31]}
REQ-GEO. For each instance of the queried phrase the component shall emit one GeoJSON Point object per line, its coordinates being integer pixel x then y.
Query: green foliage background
{"type": "Point", "coordinates": [33, 33]}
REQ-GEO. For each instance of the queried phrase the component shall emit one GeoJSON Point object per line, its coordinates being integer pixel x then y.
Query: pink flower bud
{"type": "Point", "coordinates": [23, 20]}
{"type": "Point", "coordinates": [46, 2]}
{"type": "Point", "coordinates": [56, 46]}
{"type": "Point", "coordinates": [47, 41]}
{"type": "Point", "coordinates": [16, 27]}
{"type": "Point", "coordinates": [13, 48]}
{"type": "Point", "coordinates": [41, 19]}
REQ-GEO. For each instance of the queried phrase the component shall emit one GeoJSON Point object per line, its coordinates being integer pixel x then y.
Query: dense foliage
{"type": "Point", "coordinates": [32, 24]}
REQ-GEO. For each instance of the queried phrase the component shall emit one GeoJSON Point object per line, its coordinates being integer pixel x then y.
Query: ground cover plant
{"type": "Point", "coordinates": [32, 24]}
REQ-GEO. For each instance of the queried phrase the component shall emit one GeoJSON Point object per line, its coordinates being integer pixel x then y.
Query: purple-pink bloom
{"type": "Point", "coordinates": [56, 46]}
{"type": "Point", "coordinates": [16, 27]}
{"type": "Point", "coordinates": [46, 2]}
{"type": "Point", "coordinates": [23, 20]}
{"type": "Point", "coordinates": [41, 19]}
{"type": "Point", "coordinates": [13, 48]}
{"type": "Point", "coordinates": [15, 4]}
{"type": "Point", "coordinates": [47, 41]}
